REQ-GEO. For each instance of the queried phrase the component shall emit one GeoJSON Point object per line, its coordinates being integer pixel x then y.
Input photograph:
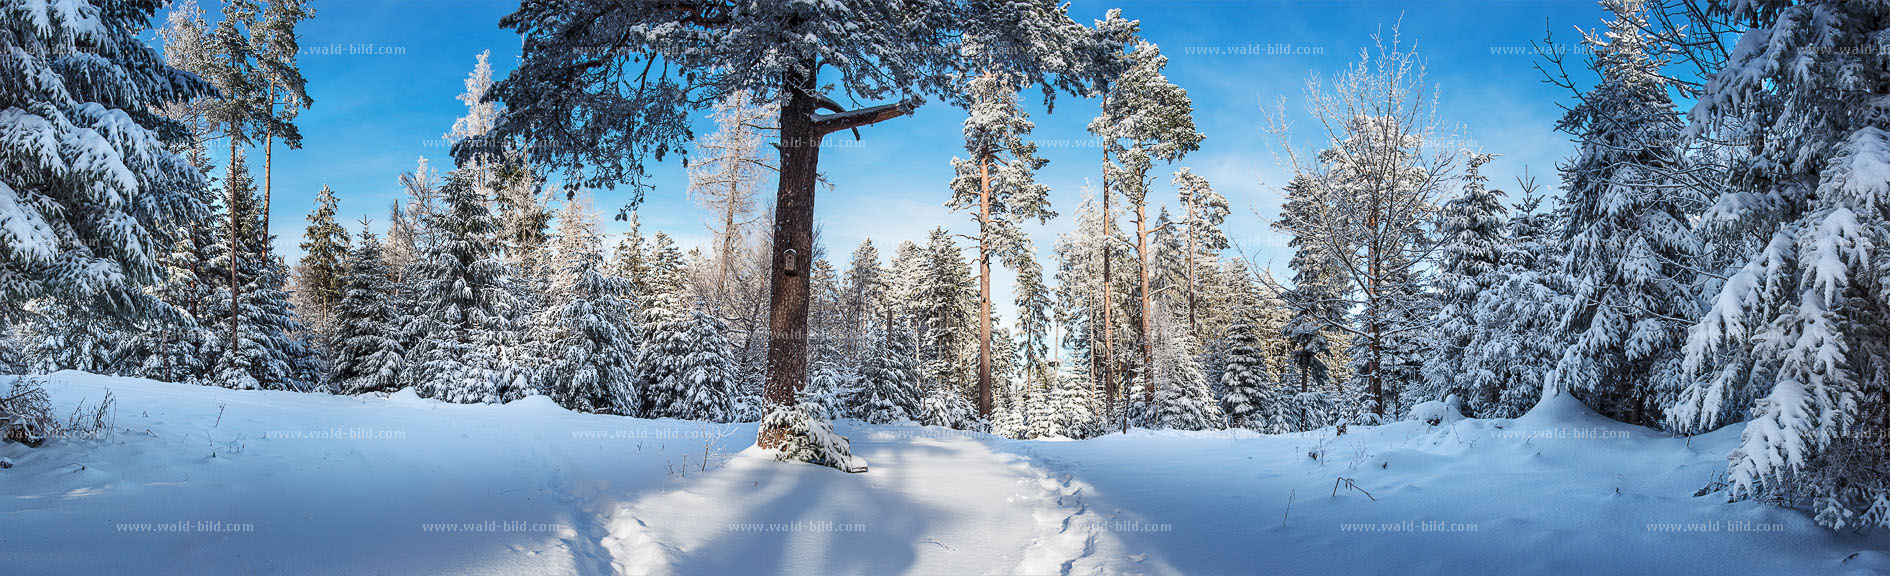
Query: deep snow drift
{"type": "Point", "coordinates": [211, 481]}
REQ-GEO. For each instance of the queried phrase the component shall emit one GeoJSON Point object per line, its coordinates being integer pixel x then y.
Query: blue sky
{"type": "Point", "coordinates": [384, 74]}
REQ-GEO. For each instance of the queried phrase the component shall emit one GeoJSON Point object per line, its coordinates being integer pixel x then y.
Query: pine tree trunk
{"type": "Point", "coordinates": [269, 151]}
{"type": "Point", "coordinates": [1148, 350]}
{"type": "Point", "coordinates": [793, 246]}
{"type": "Point", "coordinates": [1194, 320]}
{"type": "Point", "coordinates": [984, 286]}
{"type": "Point", "coordinates": [236, 251]}
{"type": "Point", "coordinates": [1095, 357]}
{"type": "Point", "coordinates": [793, 241]}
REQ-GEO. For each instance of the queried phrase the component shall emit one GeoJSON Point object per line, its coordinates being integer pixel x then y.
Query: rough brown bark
{"type": "Point", "coordinates": [1142, 231]}
{"type": "Point", "coordinates": [801, 131]}
{"type": "Point", "coordinates": [793, 243]}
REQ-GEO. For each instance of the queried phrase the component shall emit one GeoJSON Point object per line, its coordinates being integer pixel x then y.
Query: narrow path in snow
{"type": "Point", "coordinates": [935, 501]}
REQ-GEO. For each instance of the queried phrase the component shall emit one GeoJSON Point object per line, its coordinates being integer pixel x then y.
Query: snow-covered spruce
{"type": "Point", "coordinates": [827, 385]}
{"type": "Point", "coordinates": [1075, 407]}
{"type": "Point", "coordinates": [1514, 341]}
{"type": "Point", "coordinates": [259, 344]}
{"type": "Point", "coordinates": [322, 273]}
{"type": "Point", "coordinates": [1182, 399]}
{"type": "Point", "coordinates": [463, 283]}
{"type": "Point", "coordinates": [887, 387]}
{"type": "Point", "coordinates": [1469, 254]}
{"type": "Point", "coordinates": [1316, 295]}
{"type": "Point", "coordinates": [91, 191]}
{"type": "Point", "coordinates": [589, 332]}
{"type": "Point", "coordinates": [797, 434]}
{"type": "Point", "coordinates": [1794, 336]}
{"type": "Point", "coordinates": [948, 407]}
{"type": "Point", "coordinates": [940, 296]}
{"type": "Point", "coordinates": [368, 356]}
{"type": "Point", "coordinates": [411, 233]}
{"type": "Point", "coordinates": [685, 368]}
{"type": "Point", "coordinates": [1250, 396]}
{"type": "Point", "coordinates": [1626, 211]}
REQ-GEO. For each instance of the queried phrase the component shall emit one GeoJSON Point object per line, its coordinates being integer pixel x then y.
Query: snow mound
{"type": "Point", "coordinates": [1435, 413]}
{"type": "Point", "coordinates": [535, 403]}
{"type": "Point", "coordinates": [1562, 408]}
{"type": "Point", "coordinates": [405, 396]}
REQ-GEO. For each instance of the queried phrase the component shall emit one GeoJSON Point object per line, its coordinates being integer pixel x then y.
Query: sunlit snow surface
{"type": "Point", "coordinates": [203, 480]}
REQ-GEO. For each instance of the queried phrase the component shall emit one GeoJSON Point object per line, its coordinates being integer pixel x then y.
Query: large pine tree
{"type": "Point", "coordinates": [602, 127]}
{"type": "Point", "coordinates": [263, 351]}
{"type": "Point", "coordinates": [1145, 119]}
{"type": "Point", "coordinates": [284, 92]}
{"type": "Point", "coordinates": [1204, 210]}
{"type": "Point", "coordinates": [998, 185]}
{"type": "Point", "coordinates": [1087, 303]}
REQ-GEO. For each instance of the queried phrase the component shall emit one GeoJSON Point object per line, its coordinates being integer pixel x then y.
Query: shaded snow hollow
{"type": "Point", "coordinates": [210, 481]}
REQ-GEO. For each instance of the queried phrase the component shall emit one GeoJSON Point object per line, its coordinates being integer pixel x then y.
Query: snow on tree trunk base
{"type": "Point", "coordinates": [795, 434]}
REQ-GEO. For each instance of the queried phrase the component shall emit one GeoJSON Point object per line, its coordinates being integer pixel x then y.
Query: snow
{"type": "Point", "coordinates": [306, 484]}
{"type": "Point", "coordinates": [26, 233]}
{"type": "Point", "coordinates": [1438, 412]}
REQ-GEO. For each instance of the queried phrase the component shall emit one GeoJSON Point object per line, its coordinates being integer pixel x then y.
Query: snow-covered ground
{"type": "Point", "coordinates": [210, 481]}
